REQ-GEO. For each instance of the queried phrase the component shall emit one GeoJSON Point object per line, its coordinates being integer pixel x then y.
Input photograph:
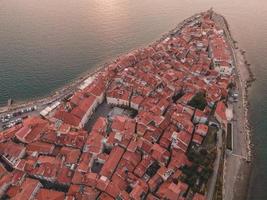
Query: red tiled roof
{"type": "Point", "coordinates": [82, 192]}
{"type": "Point", "coordinates": [171, 190]}
{"type": "Point", "coordinates": [67, 118]}
{"type": "Point", "coordinates": [9, 133]}
{"type": "Point", "coordinates": [45, 194]}
{"type": "Point", "coordinates": [77, 112]}
{"type": "Point", "coordinates": [113, 190]}
{"type": "Point", "coordinates": [12, 191]}
{"type": "Point", "coordinates": [197, 138]}
{"type": "Point", "coordinates": [64, 176]}
{"type": "Point", "coordinates": [94, 143]}
{"type": "Point", "coordinates": [102, 183]}
{"type": "Point", "coordinates": [198, 196]}
{"type": "Point", "coordinates": [154, 182]}
{"type": "Point", "coordinates": [12, 149]}
{"type": "Point", "coordinates": [178, 159]}
{"type": "Point", "coordinates": [201, 129]}
{"type": "Point", "coordinates": [100, 125]}
{"type": "Point", "coordinates": [130, 160]}
{"type": "Point", "coordinates": [87, 103]}
{"type": "Point", "coordinates": [27, 189]}
{"type": "Point", "coordinates": [40, 147]}
{"type": "Point", "coordinates": [160, 154]}
{"type": "Point", "coordinates": [96, 88]}
{"type": "Point", "coordinates": [151, 197]}
{"type": "Point", "coordinates": [143, 166]}
{"type": "Point", "coordinates": [32, 129]}
{"type": "Point", "coordinates": [105, 196]}
{"type": "Point", "coordinates": [76, 98]}
{"type": "Point", "coordinates": [181, 140]}
{"type": "Point", "coordinates": [139, 190]}
{"type": "Point", "coordinates": [84, 163]}
{"type": "Point", "coordinates": [90, 179]}
{"type": "Point", "coordinates": [220, 110]}
{"type": "Point", "coordinates": [112, 162]}
{"type": "Point", "coordinates": [71, 155]}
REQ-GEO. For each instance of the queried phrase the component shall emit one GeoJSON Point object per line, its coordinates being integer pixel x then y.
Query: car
{"type": "Point", "coordinates": [235, 94]}
{"type": "Point", "coordinates": [5, 120]}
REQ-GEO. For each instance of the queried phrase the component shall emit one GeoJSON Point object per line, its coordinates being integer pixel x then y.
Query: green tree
{"type": "Point", "coordinates": [198, 101]}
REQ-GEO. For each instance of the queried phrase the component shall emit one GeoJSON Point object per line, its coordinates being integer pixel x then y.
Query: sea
{"type": "Point", "coordinates": [45, 44]}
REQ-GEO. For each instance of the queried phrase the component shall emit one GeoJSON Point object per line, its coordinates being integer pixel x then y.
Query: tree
{"type": "Point", "coordinates": [198, 101]}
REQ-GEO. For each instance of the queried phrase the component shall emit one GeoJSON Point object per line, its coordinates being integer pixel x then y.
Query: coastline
{"type": "Point", "coordinates": [245, 78]}
{"type": "Point", "coordinates": [67, 89]}
{"type": "Point", "coordinates": [243, 73]}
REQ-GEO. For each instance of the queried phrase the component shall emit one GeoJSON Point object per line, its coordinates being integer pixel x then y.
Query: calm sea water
{"type": "Point", "coordinates": [45, 44]}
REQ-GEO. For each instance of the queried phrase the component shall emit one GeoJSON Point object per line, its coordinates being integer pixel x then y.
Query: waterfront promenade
{"type": "Point", "coordinates": [237, 162]}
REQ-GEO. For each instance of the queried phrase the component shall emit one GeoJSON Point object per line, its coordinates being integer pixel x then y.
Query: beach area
{"type": "Point", "coordinates": [237, 164]}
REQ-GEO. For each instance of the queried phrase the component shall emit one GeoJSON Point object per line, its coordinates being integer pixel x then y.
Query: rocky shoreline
{"type": "Point", "coordinates": [246, 78]}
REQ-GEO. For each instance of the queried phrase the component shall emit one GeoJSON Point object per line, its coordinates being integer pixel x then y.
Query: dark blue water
{"type": "Point", "coordinates": [45, 44]}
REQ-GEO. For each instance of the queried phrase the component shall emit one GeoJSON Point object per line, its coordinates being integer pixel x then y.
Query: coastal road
{"type": "Point", "coordinates": [212, 181]}
{"type": "Point", "coordinates": [237, 158]}
{"type": "Point", "coordinates": [231, 168]}
{"type": "Point", "coordinates": [242, 75]}
{"type": "Point", "coordinates": [41, 103]}
{"type": "Point", "coordinates": [238, 123]}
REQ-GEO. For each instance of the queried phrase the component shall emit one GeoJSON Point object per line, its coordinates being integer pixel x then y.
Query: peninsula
{"type": "Point", "coordinates": [168, 121]}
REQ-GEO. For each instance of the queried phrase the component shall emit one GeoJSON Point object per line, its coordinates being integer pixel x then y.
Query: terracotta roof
{"type": "Point", "coordinates": [198, 196]}
{"type": "Point", "coordinates": [27, 189]}
{"type": "Point", "coordinates": [201, 129]}
{"type": "Point", "coordinates": [45, 194]}
{"type": "Point", "coordinates": [220, 110]}
{"type": "Point", "coordinates": [100, 125]}
{"type": "Point", "coordinates": [11, 149]}
{"type": "Point", "coordinates": [64, 175]}
{"type": "Point", "coordinates": [178, 159]}
{"type": "Point", "coordinates": [171, 190]}
{"type": "Point", "coordinates": [112, 162]}
{"type": "Point", "coordinates": [9, 133]}
{"type": "Point", "coordinates": [67, 118]}
{"type": "Point", "coordinates": [31, 130]}
{"type": "Point", "coordinates": [40, 147]}
{"type": "Point", "coordinates": [197, 138]}
{"type": "Point", "coordinates": [84, 162]}
{"type": "Point", "coordinates": [94, 143]}
{"type": "Point", "coordinates": [70, 155]}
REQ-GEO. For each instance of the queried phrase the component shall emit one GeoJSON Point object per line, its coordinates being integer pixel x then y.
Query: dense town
{"type": "Point", "coordinates": [164, 104]}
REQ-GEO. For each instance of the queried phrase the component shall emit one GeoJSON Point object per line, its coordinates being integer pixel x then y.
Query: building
{"type": "Point", "coordinates": [220, 114]}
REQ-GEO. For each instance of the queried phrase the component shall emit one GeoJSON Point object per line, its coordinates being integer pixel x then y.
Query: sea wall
{"type": "Point", "coordinates": [244, 73]}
